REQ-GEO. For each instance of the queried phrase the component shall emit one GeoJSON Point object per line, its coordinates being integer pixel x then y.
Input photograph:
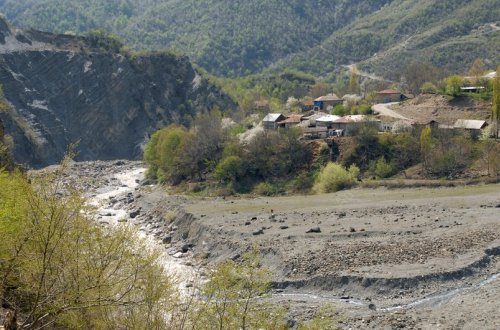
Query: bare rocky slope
{"type": "Point", "coordinates": [66, 89]}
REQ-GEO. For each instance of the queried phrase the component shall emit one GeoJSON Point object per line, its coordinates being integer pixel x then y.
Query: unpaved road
{"type": "Point", "coordinates": [384, 110]}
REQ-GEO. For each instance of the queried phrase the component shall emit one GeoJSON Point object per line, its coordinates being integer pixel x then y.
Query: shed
{"type": "Point", "coordinates": [475, 127]}
{"type": "Point", "coordinates": [307, 105]}
{"type": "Point", "coordinates": [389, 95]}
{"type": "Point", "coordinates": [271, 120]}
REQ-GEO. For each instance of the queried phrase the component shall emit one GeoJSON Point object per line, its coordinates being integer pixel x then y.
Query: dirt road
{"type": "Point", "coordinates": [384, 110]}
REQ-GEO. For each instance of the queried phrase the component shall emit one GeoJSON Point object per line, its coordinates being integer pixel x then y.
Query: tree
{"type": "Point", "coordinates": [232, 291]}
{"type": "Point", "coordinates": [228, 169]}
{"type": "Point", "coordinates": [453, 85]}
{"type": "Point", "coordinates": [425, 146]}
{"type": "Point", "coordinates": [417, 73]}
{"type": "Point", "coordinates": [59, 269]}
{"type": "Point", "coordinates": [495, 110]}
{"type": "Point", "coordinates": [477, 69]}
{"type": "Point", "coordinates": [354, 80]}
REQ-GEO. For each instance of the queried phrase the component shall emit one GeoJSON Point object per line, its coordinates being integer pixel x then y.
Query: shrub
{"type": "Point", "coordinates": [228, 168]}
{"type": "Point", "coordinates": [264, 189]}
{"type": "Point", "coordinates": [429, 88]}
{"type": "Point", "coordinates": [335, 177]}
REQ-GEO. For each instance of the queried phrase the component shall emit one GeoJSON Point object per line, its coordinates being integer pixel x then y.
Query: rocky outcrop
{"type": "Point", "coordinates": [66, 89]}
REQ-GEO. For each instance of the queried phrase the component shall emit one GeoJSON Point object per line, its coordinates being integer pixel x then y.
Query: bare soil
{"type": "Point", "coordinates": [384, 258]}
{"type": "Point", "coordinates": [426, 107]}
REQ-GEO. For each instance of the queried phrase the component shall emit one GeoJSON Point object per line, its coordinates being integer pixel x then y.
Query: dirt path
{"type": "Point", "coordinates": [384, 110]}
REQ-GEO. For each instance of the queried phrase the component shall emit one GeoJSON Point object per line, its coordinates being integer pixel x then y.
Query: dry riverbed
{"type": "Point", "coordinates": [385, 259]}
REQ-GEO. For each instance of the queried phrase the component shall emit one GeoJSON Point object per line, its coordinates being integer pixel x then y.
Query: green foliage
{"type": "Point", "coordinates": [339, 110]}
{"type": "Point", "coordinates": [453, 85]}
{"type": "Point", "coordinates": [231, 294]}
{"type": "Point", "coordinates": [428, 88]}
{"type": "Point", "coordinates": [335, 177]}
{"type": "Point", "coordinates": [381, 168]}
{"type": "Point", "coordinates": [60, 270]}
{"type": "Point", "coordinates": [495, 109]}
{"type": "Point", "coordinates": [229, 168]}
{"type": "Point", "coordinates": [264, 189]}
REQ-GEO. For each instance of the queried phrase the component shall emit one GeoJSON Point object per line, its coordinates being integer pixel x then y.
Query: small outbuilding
{"type": "Point", "coordinates": [326, 121]}
{"type": "Point", "coordinates": [292, 120]}
{"type": "Point", "coordinates": [389, 95]}
{"type": "Point", "coordinates": [315, 132]}
{"type": "Point", "coordinates": [474, 127]}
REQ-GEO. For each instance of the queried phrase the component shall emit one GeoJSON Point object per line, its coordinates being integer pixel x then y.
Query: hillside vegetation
{"type": "Point", "coordinates": [448, 34]}
{"type": "Point", "coordinates": [233, 38]}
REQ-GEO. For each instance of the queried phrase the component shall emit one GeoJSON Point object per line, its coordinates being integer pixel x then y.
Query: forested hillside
{"type": "Point", "coordinates": [236, 37]}
{"type": "Point", "coordinates": [228, 37]}
{"type": "Point", "coordinates": [448, 34]}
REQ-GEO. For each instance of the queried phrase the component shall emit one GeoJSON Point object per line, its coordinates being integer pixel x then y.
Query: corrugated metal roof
{"type": "Point", "coordinates": [470, 124]}
{"type": "Point", "coordinates": [328, 118]}
{"type": "Point", "coordinates": [272, 117]}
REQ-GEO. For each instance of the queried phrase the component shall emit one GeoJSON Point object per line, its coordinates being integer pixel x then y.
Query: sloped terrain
{"type": "Point", "coordinates": [233, 38]}
{"type": "Point", "coordinates": [64, 89]}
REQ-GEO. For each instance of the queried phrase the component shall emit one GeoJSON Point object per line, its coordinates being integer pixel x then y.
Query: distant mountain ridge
{"type": "Point", "coordinates": [237, 37]}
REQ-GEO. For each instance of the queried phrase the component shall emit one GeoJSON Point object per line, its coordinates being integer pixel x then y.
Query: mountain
{"type": "Point", "coordinates": [226, 37]}
{"type": "Point", "coordinates": [237, 37]}
{"type": "Point", "coordinates": [62, 89]}
{"type": "Point", "coordinates": [448, 34]}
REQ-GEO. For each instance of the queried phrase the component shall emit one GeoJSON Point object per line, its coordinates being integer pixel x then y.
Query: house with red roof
{"type": "Point", "coordinates": [389, 95]}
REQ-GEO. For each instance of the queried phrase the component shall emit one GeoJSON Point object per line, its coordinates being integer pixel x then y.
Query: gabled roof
{"type": "Point", "coordinates": [389, 91]}
{"type": "Point", "coordinates": [308, 103]}
{"type": "Point", "coordinates": [292, 119]}
{"type": "Point", "coordinates": [470, 124]}
{"type": "Point", "coordinates": [272, 117]}
{"type": "Point", "coordinates": [329, 97]}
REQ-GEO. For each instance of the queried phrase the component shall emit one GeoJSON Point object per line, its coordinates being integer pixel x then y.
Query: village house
{"type": "Point", "coordinates": [350, 125]}
{"type": "Point", "coordinates": [474, 127]}
{"type": "Point", "coordinates": [271, 120]}
{"type": "Point", "coordinates": [326, 121]}
{"type": "Point", "coordinates": [292, 120]}
{"type": "Point", "coordinates": [307, 105]}
{"type": "Point", "coordinates": [310, 121]}
{"type": "Point", "coordinates": [324, 102]}
{"type": "Point", "coordinates": [389, 95]}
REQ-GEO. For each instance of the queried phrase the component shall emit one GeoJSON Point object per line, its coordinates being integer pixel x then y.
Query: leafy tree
{"type": "Point", "coordinates": [228, 169]}
{"type": "Point", "coordinates": [453, 85]}
{"type": "Point", "coordinates": [354, 80]}
{"type": "Point", "coordinates": [60, 270]}
{"type": "Point", "coordinates": [335, 177]}
{"type": "Point", "coordinates": [495, 110]}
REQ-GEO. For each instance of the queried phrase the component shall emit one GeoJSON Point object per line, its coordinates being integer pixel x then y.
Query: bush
{"type": "Point", "coordinates": [381, 168]}
{"type": "Point", "coordinates": [335, 177]}
{"type": "Point", "coordinates": [264, 189]}
{"type": "Point", "coordinates": [429, 88]}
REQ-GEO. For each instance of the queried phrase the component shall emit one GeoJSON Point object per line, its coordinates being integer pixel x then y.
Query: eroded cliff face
{"type": "Point", "coordinates": [65, 89]}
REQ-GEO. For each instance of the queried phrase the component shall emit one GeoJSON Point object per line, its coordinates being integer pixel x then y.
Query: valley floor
{"type": "Point", "coordinates": [384, 259]}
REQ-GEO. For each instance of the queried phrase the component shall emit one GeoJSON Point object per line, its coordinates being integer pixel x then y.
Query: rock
{"type": "Point", "coordinates": [498, 206]}
{"type": "Point", "coordinates": [258, 232]}
{"type": "Point", "coordinates": [134, 214]}
{"type": "Point", "coordinates": [284, 227]}
{"type": "Point", "coordinates": [248, 223]}
{"type": "Point", "coordinates": [345, 297]}
{"type": "Point", "coordinates": [352, 230]}
{"type": "Point", "coordinates": [185, 248]}
{"type": "Point", "coordinates": [178, 255]}
{"type": "Point", "coordinates": [167, 239]}
{"type": "Point", "coordinates": [372, 307]}
{"type": "Point", "coordinates": [314, 230]}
